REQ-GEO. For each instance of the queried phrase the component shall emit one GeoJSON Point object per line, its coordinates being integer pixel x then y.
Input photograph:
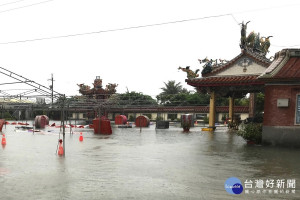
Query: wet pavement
{"type": "Point", "coordinates": [151, 164]}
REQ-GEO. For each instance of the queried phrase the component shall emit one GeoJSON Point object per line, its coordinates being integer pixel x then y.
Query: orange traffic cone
{"type": "Point", "coordinates": [3, 139]}
{"type": "Point", "coordinates": [80, 137]}
{"type": "Point", "coordinates": [60, 148]}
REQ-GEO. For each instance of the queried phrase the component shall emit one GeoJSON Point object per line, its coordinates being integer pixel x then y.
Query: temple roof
{"type": "Point", "coordinates": [224, 81]}
{"type": "Point", "coordinates": [224, 74]}
{"type": "Point", "coordinates": [256, 57]}
{"type": "Point", "coordinates": [286, 66]}
{"type": "Point", "coordinates": [240, 74]}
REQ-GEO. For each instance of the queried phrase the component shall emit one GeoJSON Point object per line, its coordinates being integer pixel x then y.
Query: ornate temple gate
{"type": "Point", "coordinates": [231, 87]}
{"type": "Point", "coordinates": [234, 78]}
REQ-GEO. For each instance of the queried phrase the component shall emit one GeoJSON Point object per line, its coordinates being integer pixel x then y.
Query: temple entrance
{"type": "Point", "coordinates": [234, 78]}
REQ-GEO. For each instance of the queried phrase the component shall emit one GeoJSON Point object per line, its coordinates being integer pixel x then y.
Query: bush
{"type": "Point", "coordinates": [8, 116]}
{"type": "Point", "coordinates": [159, 119]}
{"type": "Point", "coordinates": [131, 118]}
{"type": "Point", "coordinates": [205, 120]}
{"type": "Point", "coordinates": [251, 132]}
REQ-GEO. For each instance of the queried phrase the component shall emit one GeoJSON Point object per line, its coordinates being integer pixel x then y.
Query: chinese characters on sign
{"type": "Point", "coordinates": [270, 186]}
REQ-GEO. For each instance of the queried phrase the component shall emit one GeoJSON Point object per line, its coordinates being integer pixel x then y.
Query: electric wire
{"type": "Point", "coordinates": [11, 3]}
{"type": "Point", "coordinates": [115, 30]}
{"type": "Point", "coordinates": [139, 26]}
{"type": "Point", "coordinates": [26, 6]}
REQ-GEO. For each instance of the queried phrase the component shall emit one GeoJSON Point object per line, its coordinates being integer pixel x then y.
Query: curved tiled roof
{"type": "Point", "coordinates": [262, 60]}
{"type": "Point", "coordinates": [286, 66]}
{"type": "Point", "coordinates": [225, 81]}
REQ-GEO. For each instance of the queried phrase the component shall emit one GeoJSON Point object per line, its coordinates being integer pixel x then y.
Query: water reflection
{"type": "Point", "coordinates": [129, 164]}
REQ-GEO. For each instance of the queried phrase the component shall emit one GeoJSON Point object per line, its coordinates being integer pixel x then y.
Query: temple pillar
{"type": "Point", "coordinates": [231, 107]}
{"type": "Point", "coordinates": [212, 110]}
{"type": "Point", "coordinates": [252, 103]}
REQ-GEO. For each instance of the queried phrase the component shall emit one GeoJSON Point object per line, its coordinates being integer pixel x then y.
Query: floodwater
{"type": "Point", "coordinates": [151, 164]}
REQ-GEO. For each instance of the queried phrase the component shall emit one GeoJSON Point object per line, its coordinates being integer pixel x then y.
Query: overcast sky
{"type": "Point", "coordinates": [138, 44]}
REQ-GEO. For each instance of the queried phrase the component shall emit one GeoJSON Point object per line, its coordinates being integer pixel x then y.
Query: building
{"type": "Point", "coordinates": [282, 99]}
{"type": "Point", "coordinates": [252, 72]}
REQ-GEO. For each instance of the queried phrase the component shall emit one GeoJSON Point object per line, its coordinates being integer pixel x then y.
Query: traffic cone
{"type": "Point", "coordinates": [60, 148]}
{"type": "Point", "coordinates": [3, 139]}
{"type": "Point", "coordinates": [80, 137]}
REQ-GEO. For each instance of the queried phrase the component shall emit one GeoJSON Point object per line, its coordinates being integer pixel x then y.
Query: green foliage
{"type": "Point", "coordinates": [224, 117]}
{"type": "Point", "coordinates": [251, 132]}
{"type": "Point", "coordinates": [172, 116]}
{"type": "Point", "coordinates": [242, 101]}
{"type": "Point", "coordinates": [8, 116]}
{"type": "Point", "coordinates": [184, 99]}
{"type": "Point", "coordinates": [222, 101]}
{"type": "Point", "coordinates": [197, 98]}
{"type": "Point", "coordinates": [132, 98]}
{"type": "Point", "coordinates": [172, 92]}
{"type": "Point", "coordinates": [174, 95]}
{"type": "Point", "coordinates": [131, 118]}
{"type": "Point", "coordinates": [38, 112]}
{"type": "Point", "coordinates": [205, 120]}
{"type": "Point", "coordinates": [159, 118]}
{"type": "Point", "coordinates": [149, 115]}
{"type": "Point", "coordinates": [171, 88]}
{"type": "Point", "coordinates": [260, 101]}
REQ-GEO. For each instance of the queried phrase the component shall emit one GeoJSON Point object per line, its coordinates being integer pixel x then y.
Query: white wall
{"type": "Point", "coordinates": [253, 69]}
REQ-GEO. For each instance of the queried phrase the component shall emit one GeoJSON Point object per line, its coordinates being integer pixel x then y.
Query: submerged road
{"type": "Point", "coordinates": [152, 164]}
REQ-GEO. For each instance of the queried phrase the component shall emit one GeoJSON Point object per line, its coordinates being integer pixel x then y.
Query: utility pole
{"type": "Point", "coordinates": [51, 87]}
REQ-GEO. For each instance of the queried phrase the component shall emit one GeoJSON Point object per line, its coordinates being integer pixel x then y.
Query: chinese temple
{"type": "Point", "coordinates": [98, 92]}
{"type": "Point", "coordinates": [237, 77]}
{"type": "Point", "coordinates": [251, 72]}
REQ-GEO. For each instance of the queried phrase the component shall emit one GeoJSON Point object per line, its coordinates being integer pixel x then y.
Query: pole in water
{"type": "Point", "coordinates": [140, 124]}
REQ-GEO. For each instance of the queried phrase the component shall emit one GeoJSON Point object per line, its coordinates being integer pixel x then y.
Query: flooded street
{"type": "Point", "coordinates": [129, 164]}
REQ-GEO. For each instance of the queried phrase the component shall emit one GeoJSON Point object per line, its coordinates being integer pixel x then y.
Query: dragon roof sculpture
{"type": "Point", "coordinates": [97, 91]}
{"type": "Point", "coordinates": [253, 42]}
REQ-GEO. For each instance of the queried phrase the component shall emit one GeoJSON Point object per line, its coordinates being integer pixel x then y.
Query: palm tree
{"type": "Point", "coordinates": [171, 88]}
{"type": "Point", "coordinates": [170, 91]}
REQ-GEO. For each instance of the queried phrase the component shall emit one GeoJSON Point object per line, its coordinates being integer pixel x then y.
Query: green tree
{"type": "Point", "coordinates": [173, 94]}
{"type": "Point", "coordinates": [171, 87]}
{"type": "Point", "coordinates": [242, 101]}
{"type": "Point", "coordinates": [132, 98]}
{"type": "Point", "coordinates": [260, 101]}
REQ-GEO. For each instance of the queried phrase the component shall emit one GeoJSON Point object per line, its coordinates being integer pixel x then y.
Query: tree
{"type": "Point", "coordinates": [171, 88]}
{"type": "Point", "coordinates": [260, 101]}
{"type": "Point", "coordinates": [171, 92]}
{"type": "Point", "coordinates": [132, 98]}
{"type": "Point", "coordinates": [188, 99]}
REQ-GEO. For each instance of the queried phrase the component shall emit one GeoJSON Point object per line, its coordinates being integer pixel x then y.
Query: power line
{"type": "Point", "coordinates": [235, 19]}
{"type": "Point", "coordinates": [34, 4]}
{"type": "Point", "coordinates": [114, 30]}
{"type": "Point", "coordinates": [134, 27]}
{"type": "Point", "coordinates": [11, 3]}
